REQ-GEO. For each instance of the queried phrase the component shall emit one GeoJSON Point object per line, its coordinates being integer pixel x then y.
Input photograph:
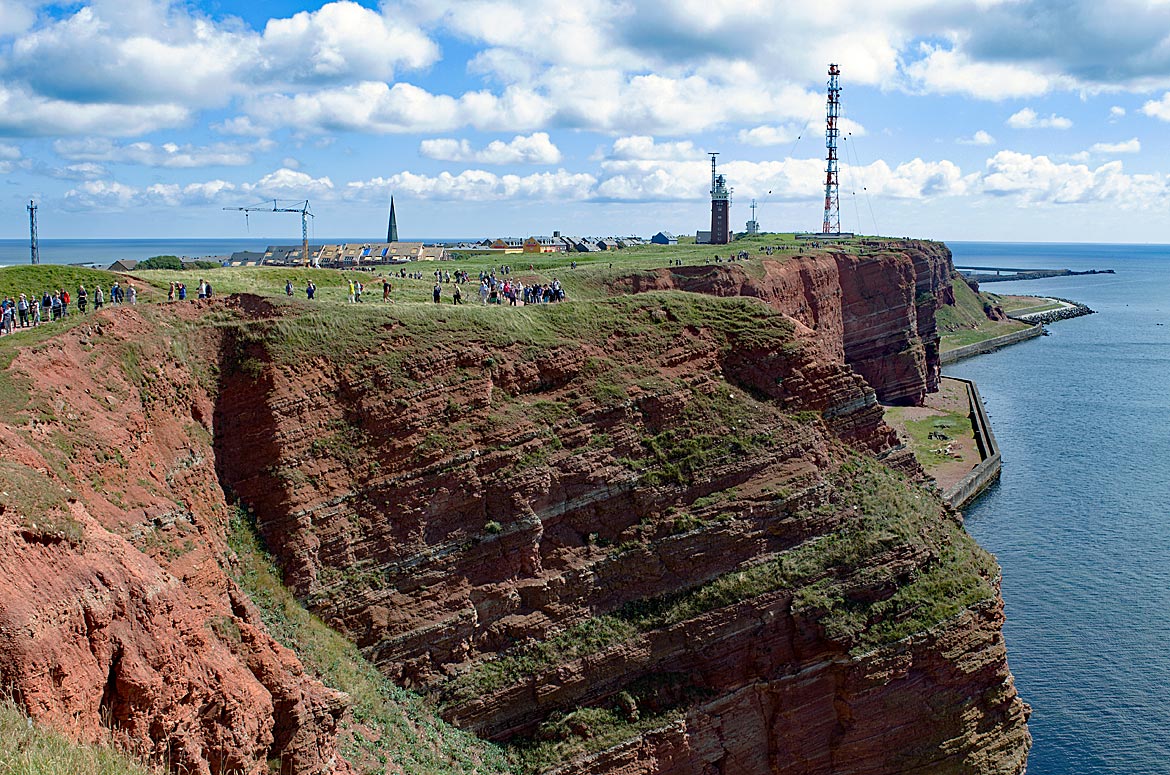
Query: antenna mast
{"type": "Point", "coordinates": [832, 223]}
{"type": "Point", "coordinates": [34, 245]}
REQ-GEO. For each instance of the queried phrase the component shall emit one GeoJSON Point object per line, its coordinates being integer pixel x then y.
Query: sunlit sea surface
{"type": "Point", "coordinates": [1080, 520]}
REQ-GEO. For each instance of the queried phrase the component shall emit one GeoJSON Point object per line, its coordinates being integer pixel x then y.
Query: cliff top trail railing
{"type": "Point", "coordinates": [987, 471]}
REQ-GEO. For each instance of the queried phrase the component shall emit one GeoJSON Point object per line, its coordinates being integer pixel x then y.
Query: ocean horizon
{"type": "Point", "coordinates": [16, 252]}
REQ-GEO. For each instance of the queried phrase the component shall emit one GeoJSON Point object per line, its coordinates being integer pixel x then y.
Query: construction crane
{"type": "Point", "coordinates": [293, 207]}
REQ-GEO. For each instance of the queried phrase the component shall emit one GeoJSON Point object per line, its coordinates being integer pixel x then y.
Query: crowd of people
{"type": "Point", "coordinates": [496, 286]}
{"type": "Point", "coordinates": [30, 310]}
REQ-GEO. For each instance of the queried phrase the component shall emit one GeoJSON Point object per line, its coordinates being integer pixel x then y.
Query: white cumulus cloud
{"type": "Point", "coordinates": [1029, 119]}
{"type": "Point", "coordinates": [768, 135]}
{"type": "Point", "coordinates": [536, 148]}
{"type": "Point", "coordinates": [1133, 145]}
{"type": "Point", "coordinates": [476, 185]}
{"type": "Point", "coordinates": [151, 155]}
{"type": "Point", "coordinates": [1159, 108]}
{"type": "Point", "coordinates": [1038, 179]}
{"type": "Point", "coordinates": [643, 147]}
{"type": "Point", "coordinates": [25, 114]}
{"type": "Point", "coordinates": [946, 71]}
{"type": "Point", "coordinates": [981, 137]}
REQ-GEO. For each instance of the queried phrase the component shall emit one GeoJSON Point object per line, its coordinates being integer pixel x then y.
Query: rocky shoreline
{"type": "Point", "coordinates": [1074, 309]}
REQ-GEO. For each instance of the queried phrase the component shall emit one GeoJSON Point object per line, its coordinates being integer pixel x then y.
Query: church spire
{"type": "Point", "coordinates": [392, 230]}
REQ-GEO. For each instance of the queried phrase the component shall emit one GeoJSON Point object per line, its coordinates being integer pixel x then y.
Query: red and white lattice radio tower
{"type": "Point", "coordinates": [832, 195]}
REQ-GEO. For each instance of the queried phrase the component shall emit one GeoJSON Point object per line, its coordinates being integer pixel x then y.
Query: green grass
{"type": "Point", "coordinates": [885, 512]}
{"type": "Point", "coordinates": [1022, 304]}
{"type": "Point", "coordinates": [30, 280]}
{"type": "Point", "coordinates": [407, 734]}
{"type": "Point", "coordinates": [27, 748]}
{"type": "Point", "coordinates": [966, 323]}
{"type": "Point", "coordinates": [582, 732]}
{"type": "Point", "coordinates": [954, 425]}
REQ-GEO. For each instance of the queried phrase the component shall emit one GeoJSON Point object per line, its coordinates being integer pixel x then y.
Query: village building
{"type": "Point", "coordinates": [543, 245]}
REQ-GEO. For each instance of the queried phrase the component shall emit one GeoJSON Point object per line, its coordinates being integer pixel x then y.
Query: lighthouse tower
{"type": "Point", "coordinates": [720, 207]}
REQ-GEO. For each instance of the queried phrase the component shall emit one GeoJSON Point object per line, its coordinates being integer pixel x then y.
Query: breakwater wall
{"type": "Point", "coordinates": [1073, 309]}
{"type": "Point", "coordinates": [989, 345]}
{"type": "Point", "coordinates": [982, 475]}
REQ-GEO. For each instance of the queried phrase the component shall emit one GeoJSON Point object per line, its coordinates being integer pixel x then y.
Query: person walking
{"type": "Point", "coordinates": [99, 298]}
{"type": "Point", "coordinates": [438, 292]}
{"type": "Point", "coordinates": [82, 299]}
{"type": "Point", "coordinates": [131, 293]}
{"type": "Point", "coordinates": [22, 310]}
{"type": "Point", "coordinates": [457, 296]}
{"type": "Point", "coordinates": [310, 290]}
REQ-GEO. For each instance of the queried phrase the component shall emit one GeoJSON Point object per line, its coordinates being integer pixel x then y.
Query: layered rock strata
{"type": "Point", "coordinates": [118, 620]}
{"type": "Point", "coordinates": [874, 311]}
{"type": "Point", "coordinates": [639, 516]}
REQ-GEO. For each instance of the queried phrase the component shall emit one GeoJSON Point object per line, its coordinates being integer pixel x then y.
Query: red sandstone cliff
{"type": "Point", "coordinates": [874, 311]}
{"type": "Point", "coordinates": [642, 535]}
{"type": "Point", "coordinates": [117, 618]}
{"type": "Point", "coordinates": [452, 505]}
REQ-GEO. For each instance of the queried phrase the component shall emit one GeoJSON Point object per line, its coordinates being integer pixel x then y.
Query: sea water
{"type": "Point", "coordinates": [1080, 520]}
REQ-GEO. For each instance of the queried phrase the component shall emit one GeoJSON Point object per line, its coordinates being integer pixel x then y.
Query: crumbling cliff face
{"type": "Point", "coordinates": [658, 533]}
{"type": "Point", "coordinates": [874, 311]}
{"type": "Point", "coordinates": [118, 619]}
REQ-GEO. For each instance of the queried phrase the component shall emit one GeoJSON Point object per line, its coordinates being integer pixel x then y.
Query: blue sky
{"type": "Point", "coordinates": [1035, 120]}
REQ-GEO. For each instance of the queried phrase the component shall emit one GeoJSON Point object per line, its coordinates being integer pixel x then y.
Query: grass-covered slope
{"type": "Point", "coordinates": [389, 730]}
{"type": "Point", "coordinates": [966, 322]}
{"type": "Point", "coordinates": [27, 748]}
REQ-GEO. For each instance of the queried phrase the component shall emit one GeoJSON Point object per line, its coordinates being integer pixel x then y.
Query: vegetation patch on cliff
{"type": "Point", "coordinates": [391, 730]}
{"type": "Point", "coordinates": [28, 748]}
{"type": "Point", "coordinates": [843, 579]}
{"type": "Point", "coordinates": [967, 322]}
